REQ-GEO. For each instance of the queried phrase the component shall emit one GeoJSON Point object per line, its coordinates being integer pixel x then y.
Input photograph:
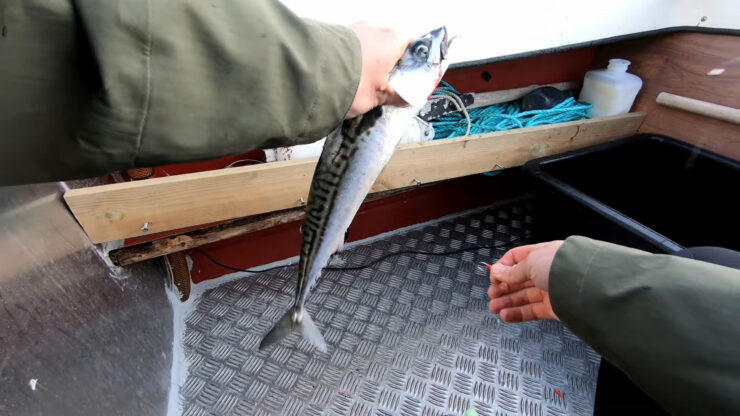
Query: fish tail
{"type": "Point", "coordinates": [281, 329]}
{"type": "Point", "coordinates": [312, 333]}
{"type": "Point", "coordinates": [295, 318]}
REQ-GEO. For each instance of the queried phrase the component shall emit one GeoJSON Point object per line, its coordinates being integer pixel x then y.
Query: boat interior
{"type": "Point", "coordinates": [147, 291]}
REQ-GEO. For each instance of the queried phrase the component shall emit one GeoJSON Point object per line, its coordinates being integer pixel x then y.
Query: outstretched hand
{"type": "Point", "coordinates": [381, 50]}
{"type": "Point", "coordinates": [519, 283]}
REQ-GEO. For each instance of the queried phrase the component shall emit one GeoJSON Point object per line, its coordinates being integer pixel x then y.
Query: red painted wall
{"type": "Point", "coordinates": [375, 217]}
{"type": "Point", "coordinates": [543, 69]}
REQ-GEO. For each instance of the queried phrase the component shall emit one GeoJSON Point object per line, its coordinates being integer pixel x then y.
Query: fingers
{"type": "Point", "coordinates": [498, 289]}
{"type": "Point", "coordinates": [380, 48]}
{"type": "Point", "coordinates": [517, 273]}
{"type": "Point", "coordinates": [389, 97]}
{"type": "Point", "coordinates": [519, 283]}
{"type": "Point", "coordinates": [531, 312]}
{"type": "Point", "coordinates": [497, 270]}
{"type": "Point", "coordinates": [515, 255]}
{"type": "Point", "coordinates": [521, 297]}
{"type": "Point", "coordinates": [385, 95]}
{"type": "Point", "coordinates": [525, 304]}
{"type": "Point", "coordinates": [524, 263]}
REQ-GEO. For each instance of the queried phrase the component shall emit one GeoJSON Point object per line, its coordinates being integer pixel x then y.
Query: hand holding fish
{"type": "Point", "coordinates": [381, 49]}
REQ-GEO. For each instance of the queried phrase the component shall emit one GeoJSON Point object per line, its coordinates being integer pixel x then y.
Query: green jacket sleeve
{"type": "Point", "coordinates": [669, 323]}
{"type": "Point", "coordinates": [90, 86]}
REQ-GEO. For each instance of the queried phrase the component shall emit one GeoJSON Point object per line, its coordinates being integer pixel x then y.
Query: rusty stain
{"type": "Point", "coordinates": [578, 130]}
{"type": "Point", "coordinates": [114, 215]}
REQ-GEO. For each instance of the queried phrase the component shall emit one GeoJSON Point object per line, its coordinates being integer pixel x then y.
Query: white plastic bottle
{"type": "Point", "coordinates": [612, 90]}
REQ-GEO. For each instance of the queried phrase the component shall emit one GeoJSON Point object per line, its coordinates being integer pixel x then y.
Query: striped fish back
{"type": "Point", "coordinates": [335, 158]}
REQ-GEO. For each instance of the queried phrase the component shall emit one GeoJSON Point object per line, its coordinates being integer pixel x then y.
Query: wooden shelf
{"type": "Point", "coordinates": [118, 211]}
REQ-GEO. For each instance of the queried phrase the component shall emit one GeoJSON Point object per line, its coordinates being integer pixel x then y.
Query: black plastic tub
{"type": "Point", "coordinates": [648, 192]}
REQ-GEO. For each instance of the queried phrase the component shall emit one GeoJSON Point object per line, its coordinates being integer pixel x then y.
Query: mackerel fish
{"type": "Point", "coordinates": [353, 156]}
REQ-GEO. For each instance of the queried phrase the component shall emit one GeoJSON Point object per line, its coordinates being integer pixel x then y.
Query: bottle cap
{"type": "Point", "coordinates": [618, 65]}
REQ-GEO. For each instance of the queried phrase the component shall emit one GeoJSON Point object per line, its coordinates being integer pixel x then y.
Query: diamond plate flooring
{"type": "Point", "coordinates": [410, 335]}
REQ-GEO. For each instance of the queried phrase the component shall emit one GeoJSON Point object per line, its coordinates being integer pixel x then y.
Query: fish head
{"type": "Point", "coordinates": [421, 67]}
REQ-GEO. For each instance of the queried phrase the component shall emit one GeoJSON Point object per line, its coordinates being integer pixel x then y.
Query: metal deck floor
{"type": "Point", "coordinates": [410, 335]}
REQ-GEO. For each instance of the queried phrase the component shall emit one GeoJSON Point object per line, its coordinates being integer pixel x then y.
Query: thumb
{"type": "Point", "coordinates": [518, 273]}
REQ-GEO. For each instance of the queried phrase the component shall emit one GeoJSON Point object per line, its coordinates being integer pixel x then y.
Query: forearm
{"type": "Point", "coordinates": [669, 323]}
{"type": "Point", "coordinates": [192, 80]}
{"type": "Point", "coordinates": [91, 87]}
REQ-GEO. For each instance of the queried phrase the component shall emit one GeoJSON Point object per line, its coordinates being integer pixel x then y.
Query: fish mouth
{"type": "Point", "coordinates": [444, 42]}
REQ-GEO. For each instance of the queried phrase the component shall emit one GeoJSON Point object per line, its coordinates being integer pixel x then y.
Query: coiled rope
{"type": "Point", "coordinates": [498, 117]}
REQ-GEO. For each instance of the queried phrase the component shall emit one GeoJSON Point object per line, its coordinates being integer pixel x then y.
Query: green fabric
{"type": "Point", "coordinates": [670, 323]}
{"type": "Point", "coordinates": [89, 86]}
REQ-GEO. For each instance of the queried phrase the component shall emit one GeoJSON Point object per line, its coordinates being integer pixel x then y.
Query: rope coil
{"type": "Point", "coordinates": [498, 117]}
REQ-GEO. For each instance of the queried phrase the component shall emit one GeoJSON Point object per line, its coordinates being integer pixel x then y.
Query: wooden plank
{"type": "Point", "coordinates": [116, 211]}
{"type": "Point", "coordinates": [419, 163]}
{"type": "Point", "coordinates": [133, 254]}
{"type": "Point", "coordinates": [186, 240]}
{"type": "Point", "coordinates": [703, 66]}
{"type": "Point", "coordinates": [706, 109]}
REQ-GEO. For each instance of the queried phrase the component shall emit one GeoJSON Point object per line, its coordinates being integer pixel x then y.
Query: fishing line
{"type": "Point", "coordinates": [375, 261]}
{"type": "Point", "coordinates": [236, 269]}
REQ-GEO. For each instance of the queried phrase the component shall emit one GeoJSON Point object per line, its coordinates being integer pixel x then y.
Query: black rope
{"type": "Point", "coordinates": [375, 261]}
{"type": "Point", "coordinates": [236, 269]}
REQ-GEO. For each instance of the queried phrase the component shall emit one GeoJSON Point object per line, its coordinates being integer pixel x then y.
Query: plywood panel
{"type": "Point", "coordinates": [696, 65]}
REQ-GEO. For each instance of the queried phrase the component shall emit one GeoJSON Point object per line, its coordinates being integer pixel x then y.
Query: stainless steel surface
{"type": "Point", "coordinates": [74, 338]}
{"type": "Point", "coordinates": [410, 335]}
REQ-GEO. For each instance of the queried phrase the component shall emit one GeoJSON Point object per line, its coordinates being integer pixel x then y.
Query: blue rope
{"type": "Point", "coordinates": [504, 116]}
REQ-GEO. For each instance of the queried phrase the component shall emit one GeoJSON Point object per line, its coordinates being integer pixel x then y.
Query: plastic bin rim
{"type": "Point", "coordinates": [534, 166]}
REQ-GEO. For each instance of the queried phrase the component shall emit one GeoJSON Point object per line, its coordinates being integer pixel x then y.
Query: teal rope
{"type": "Point", "coordinates": [504, 116]}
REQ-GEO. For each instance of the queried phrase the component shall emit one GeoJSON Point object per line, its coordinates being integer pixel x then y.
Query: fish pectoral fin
{"type": "Point", "coordinates": [341, 243]}
{"type": "Point", "coordinates": [281, 329]}
{"type": "Point", "coordinates": [337, 261]}
{"type": "Point", "coordinates": [344, 240]}
{"type": "Point", "coordinates": [312, 333]}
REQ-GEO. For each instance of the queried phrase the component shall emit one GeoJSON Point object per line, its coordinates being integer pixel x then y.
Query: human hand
{"type": "Point", "coordinates": [519, 283]}
{"type": "Point", "coordinates": [381, 50]}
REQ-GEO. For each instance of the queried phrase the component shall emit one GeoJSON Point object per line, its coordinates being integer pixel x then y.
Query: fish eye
{"type": "Point", "coordinates": [421, 50]}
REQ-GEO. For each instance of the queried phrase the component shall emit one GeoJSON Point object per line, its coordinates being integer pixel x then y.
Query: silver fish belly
{"type": "Point", "coordinates": [352, 159]}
